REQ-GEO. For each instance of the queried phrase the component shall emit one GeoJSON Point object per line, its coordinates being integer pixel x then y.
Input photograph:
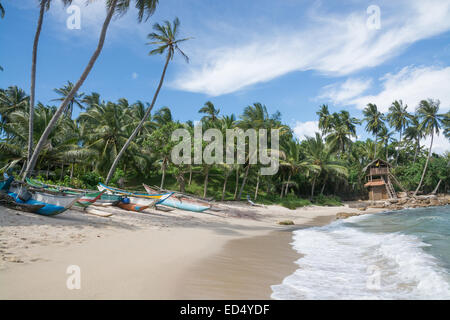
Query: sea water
{"type": "Point", "coordinates": [394, 255]}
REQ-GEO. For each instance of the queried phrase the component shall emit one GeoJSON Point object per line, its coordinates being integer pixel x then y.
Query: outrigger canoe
{"type": "Point", "coordinates": [181, 202]}
{"type": "Point", "coordinates": [88, 197]}
{"type": "Point", "coordinates": [140, 199]}
{"type": "Point", "coordinates": [8, 201]}
{"type": "Point", "coordinates": [53, 203]}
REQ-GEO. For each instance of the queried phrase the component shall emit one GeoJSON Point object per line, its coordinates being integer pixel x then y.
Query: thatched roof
{"type": "Point", "coordinates": [375, 161]}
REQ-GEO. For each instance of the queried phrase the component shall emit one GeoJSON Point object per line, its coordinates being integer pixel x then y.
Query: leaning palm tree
{"type": "Point", "coordinates": [430, 124]}
{"type": "Point", "coordinates": [166, 36]}
{"type": "Point", "coordinates": [398, 118]}
{"type": "Point", "coordinates": [44, 6]}
{"type": "Point", "coordinates": [115, 7]}
{"type": "Point", "coordinates": [374, 119]}
{"type": "Point", "coordinates": [210, 110]}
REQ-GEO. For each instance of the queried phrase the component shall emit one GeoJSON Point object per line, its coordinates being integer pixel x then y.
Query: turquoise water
{"type": "Point", "coordinates": [395, 255]}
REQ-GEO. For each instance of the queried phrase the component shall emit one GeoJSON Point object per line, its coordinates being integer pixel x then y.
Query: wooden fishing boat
{"type": "Point", "coordinates": [53, 202]}
{"type": "Point", "coordinates": [7, 201]}
{"type": "Point", "coordinates": [181, 202]}
{"type": "Point", "coordinates": [142, 199]}
{"type": "Point", "coordinates": [88, 198]}
{"type": "Point", "coordinates": [131, 206]}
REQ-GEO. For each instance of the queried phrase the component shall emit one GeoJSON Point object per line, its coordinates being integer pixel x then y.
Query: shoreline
{"type": "Point", "coordinates": [149, 255]}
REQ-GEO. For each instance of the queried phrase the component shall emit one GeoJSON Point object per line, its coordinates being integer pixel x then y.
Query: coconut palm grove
{"type": "Point", "coordinates": [126, 143]}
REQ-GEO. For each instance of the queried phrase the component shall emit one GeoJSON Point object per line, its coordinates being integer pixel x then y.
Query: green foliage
{"type": "Point", "coordinates": [91, 179]}
{"type": "Point", "coordinates": [330, 201]}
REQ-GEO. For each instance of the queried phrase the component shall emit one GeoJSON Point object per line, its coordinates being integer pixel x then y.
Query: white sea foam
{"type": "Point", "coordinates": [340, 261]}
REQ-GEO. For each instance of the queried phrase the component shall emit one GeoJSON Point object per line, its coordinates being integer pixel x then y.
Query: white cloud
{"type": "Point", "coordinates": [331, 44]}
{"type": "Point", "coordinates": [341, 92]}
{"type": "Point", "coordinates": [440, 144]}
{"type": "Point", "coordinates": [411, 84]}
{"type": "Point", "coordinates": [306, 129]}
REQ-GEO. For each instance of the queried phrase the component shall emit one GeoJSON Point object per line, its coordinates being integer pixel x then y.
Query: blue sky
{"type": "Point", "coordinates": [291, 55]}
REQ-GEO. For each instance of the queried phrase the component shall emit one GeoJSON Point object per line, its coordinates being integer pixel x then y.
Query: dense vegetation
{"type": "Point", "coordinates": [80, 151]}
{"type": "Point", "coordinates": [122, 144]}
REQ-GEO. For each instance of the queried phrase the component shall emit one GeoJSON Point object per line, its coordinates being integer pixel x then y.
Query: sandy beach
{"type": "Point", "coordinates": [235, 253]}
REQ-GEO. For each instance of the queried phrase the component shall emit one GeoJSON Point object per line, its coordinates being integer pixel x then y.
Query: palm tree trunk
{"type": "Point", "coordinates": [237, 183]}
{"type": "Point", "coordinates": [312, 188]}
{"type": "Point", "coordinates": [140, 125]}
{"type": "Point", "coordinates": [33, 79]}
{"type": "Point", "coordinates": [257, 187]}
{"type": "Point", "coordinates": [205, 188]}
{"type": "Point", "coordinates": [437, 187]}
{"type": "Point", "coordinates": [244, 181]}
{"type": "Point", "coordinates": [62, 171]}
{"type": "Point", "coordinates": [398, 148]}
{"type": "Point", "coordinates": [426, 164]}
{"type": "Point", "coordinates": [190, 174]}
{"type": "Point", "coordinates": [62, 107]}
{"type": "Point", "coordinates": [324, 184]}
{"type": "Point", "coordinates": [163, 176]}
{"type": "Point", "coordinates": [287, 184]}
{"type": "Point", "coordinates": [71, 172]}
{"type": "Point", "coordinates": [376, 138]}
{"type": "Point", "coordinates": [386, 147]}
{"type": "Point", "coordinates": [227, 173]}
{"type": "Point", "coordinates": [48, 170]}
{"type": "Point", "coordinates": [417, 150]}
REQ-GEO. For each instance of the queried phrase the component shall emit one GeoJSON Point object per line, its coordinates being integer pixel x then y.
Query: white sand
{"type": "Point", "coordinates": [144, 255]}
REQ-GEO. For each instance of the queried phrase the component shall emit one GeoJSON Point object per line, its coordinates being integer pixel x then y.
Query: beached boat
{"type": "Point", "coordinates": [88, 198]}
{"type": "Point", "coordinates": [8, 201]}
{"type": "Point", "coordinates": [53, 203]}
{"type": "Point", "coordinates": [131, 206]}
{"type": "Point", "coordinates": [141, 199]}
{"type": "Point", "coordinates": [181, 202]}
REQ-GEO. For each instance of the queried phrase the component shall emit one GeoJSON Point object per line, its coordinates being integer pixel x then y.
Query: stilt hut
{"type": "Point", "coordinates": [379, 182]}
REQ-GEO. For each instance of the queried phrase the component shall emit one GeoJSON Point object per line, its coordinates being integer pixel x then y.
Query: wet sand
{"type": "Point", "coordinates": [245, 268]}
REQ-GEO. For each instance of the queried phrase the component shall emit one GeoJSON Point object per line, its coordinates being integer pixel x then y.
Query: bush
{"type": "Point", "coordinates": [322, 200]}
{"type": "Point", "coordinates": [91, 180]}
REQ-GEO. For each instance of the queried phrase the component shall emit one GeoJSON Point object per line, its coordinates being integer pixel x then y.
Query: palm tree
{"type": "Point", "coordinates": [446, 123]}
{"type": "Point", "coordinates": [77, 98]}
{"type": "Point", "coordinates": [226, 123]}
{"type": "Point", "coordinates": [430, 123]}
{"type": "Point", "coordinates": [166, 36]}
{"type": "Point", "coordinates": [324, 119]}
{"type": "Point", "coordinates": [374, 120]}
{"type": "Point", "coordinates": [210, 110]}
{"type": "Point", "coordinates": [385, 138]}
{"type": "Point", "coordinates": [412, 132]}
{"type": "Point", "coordinates": [321, 159]}
{"type": "Point", "coordinates": [44, 6]}
{"type": "Point", "coordinates": [91, 100]}
{"type": "Point", "coordinates": [11, 100]}
{"type": "Point", "coordinates": [292, 161]}
{"type": "Point", "coordinates": [398, 119]}
{"type": "Point", "coordinates": [119, 7]}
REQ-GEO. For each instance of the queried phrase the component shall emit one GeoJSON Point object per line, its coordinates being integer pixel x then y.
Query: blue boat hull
{"type": "Point", "coordinates": [183, 205]}
{"type": "Point", "coordinates": [46, 210]}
